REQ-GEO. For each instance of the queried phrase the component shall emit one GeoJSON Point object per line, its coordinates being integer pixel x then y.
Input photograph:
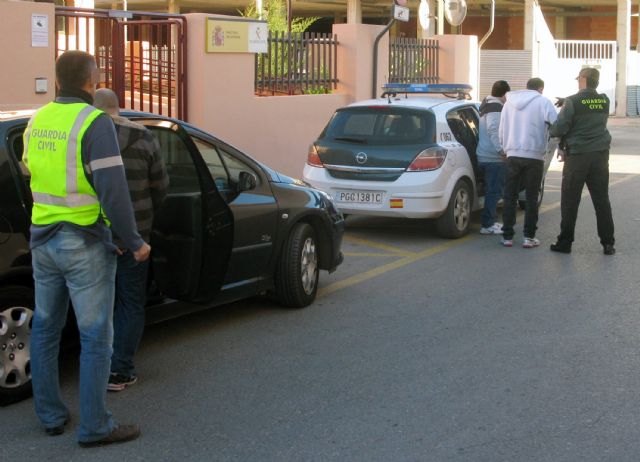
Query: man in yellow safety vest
{"type": "Point", "coordinates": [79, 192]}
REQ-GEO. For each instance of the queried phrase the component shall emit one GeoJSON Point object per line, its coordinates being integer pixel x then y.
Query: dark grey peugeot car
{"type": "Point", "coordinates": [230, 228]}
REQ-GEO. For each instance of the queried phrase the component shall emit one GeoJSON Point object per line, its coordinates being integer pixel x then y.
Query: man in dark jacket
{"type": "Point", "coordinates": [582, 124]}
{"type": "Point", "coordinates": [148, 181]}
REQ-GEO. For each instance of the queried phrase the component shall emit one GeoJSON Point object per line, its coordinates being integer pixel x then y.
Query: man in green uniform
{"type": "Point", "coordinates": [582, 125]}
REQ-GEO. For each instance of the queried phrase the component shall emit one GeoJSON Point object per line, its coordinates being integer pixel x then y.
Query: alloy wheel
{"type": "Point", "coordinates": [15, 354]}
{"type": "Point", "coordinates": [309, 265]}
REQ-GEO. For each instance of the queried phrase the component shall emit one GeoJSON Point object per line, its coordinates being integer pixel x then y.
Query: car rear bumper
{"type": "Point", "coordinates": [413, 195]}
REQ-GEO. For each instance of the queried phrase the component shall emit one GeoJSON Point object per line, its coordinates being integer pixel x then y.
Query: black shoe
{"type": "Point", "coordinates": [118, 382]}
{"type": "Point", "coordinates": [608, 249]}
{"type": "Point", "coordinates": [560, 247]}
{"type": "Point", "coordinates": [59, 430]}
{"type": "Point", "coordinates": [119, 434]}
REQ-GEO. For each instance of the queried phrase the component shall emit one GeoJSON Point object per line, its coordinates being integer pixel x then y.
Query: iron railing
{"type": "Point", "coordinates": [297, 64]}
{"type": "Point", "coordinates": [413, 60]}
{"type": "Point", "coordinates": [585, 49]}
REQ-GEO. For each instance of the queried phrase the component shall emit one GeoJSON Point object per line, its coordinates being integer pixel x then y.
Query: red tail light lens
{"type": "Point", "coordinates": [429, 159]}
{"type": "Point", "coordinates": [313, 158]}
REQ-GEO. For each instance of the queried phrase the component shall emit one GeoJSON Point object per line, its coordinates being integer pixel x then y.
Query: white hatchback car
{"type": "Point", "coordinates": [403, 155]}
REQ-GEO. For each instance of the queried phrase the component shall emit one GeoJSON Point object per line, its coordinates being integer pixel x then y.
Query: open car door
{"type": "Point", "coordinates": [192, 234]}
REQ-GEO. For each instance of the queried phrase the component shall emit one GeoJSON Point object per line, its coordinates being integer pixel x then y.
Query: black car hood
{"type": "Point", "coordinates": [282, 178]}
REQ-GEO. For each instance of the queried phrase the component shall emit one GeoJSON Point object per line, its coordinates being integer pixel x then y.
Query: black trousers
{"type": "Point", "coordinates": [591, 168]}
{"type": "Point", "coordinates": [527, 172]}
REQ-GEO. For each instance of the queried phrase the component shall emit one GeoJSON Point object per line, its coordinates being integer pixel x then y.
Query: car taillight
{"type": "Point", "coordinates": [313, 158]}
{"type": "Point", "coordinates": [429, 159]}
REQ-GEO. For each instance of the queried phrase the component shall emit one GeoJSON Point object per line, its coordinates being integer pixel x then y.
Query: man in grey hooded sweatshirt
{"type": "Point", "coordinates": [491, 157]}
{"type": "Point", "coordinates": [524, 133]}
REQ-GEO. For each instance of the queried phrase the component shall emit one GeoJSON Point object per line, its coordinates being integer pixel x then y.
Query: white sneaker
{"type": "Point", "coordinates": [507, 242]}
{"type": "Point", "coordinates": [495, 229]}
{"type": "Point", "coordinates": [530, 242]}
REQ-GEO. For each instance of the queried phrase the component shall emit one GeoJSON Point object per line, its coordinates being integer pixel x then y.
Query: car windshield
{"type": "Point", "coordinates": [381, 125]}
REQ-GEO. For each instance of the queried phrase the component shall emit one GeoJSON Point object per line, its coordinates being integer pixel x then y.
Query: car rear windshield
{"type": "Point", "coordinates": [381, 125]}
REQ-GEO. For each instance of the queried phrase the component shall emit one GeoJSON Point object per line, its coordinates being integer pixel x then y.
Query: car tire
{"type": "Point", "coordinates": [17, 305]}
{"type": "Point", "coordinates": [454, 223]}
{"type": "Point", "coordinates": [297, 273]}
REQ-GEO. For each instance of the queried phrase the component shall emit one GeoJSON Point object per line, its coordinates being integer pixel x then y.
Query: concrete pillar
{"type": "Point", "coordinates": [28, 63]}
{"type": "Point", "coordinates": [440, 15]}
{"type": "Point", "coordinates": [355, 59]}
{"type": "Point", "coordinates": [354, 12]}
{"type": "Point", "coordinates": [528, 25]}
{"type": "Point", "coordinates": [173, 6]}
{"type": "Point", "coordinates": [623, 39]}
{"type": "Point", "coordinates": [458, 60]}
{"type": "Point", "coordinates": [561, 28]}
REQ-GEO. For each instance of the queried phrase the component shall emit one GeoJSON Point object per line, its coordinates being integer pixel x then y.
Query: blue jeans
{"type": "Point", "coordinates": [128, 314]}
{"type": "Point", "coordinates": [65, 268]}
{"type": "Point", "coordinates": [494, 173]}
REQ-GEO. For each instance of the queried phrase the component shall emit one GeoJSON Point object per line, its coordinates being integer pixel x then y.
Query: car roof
{"type": "Point", "coordinates": [438, 104]}
{"type": "Point", "coordinates": [17, 114]}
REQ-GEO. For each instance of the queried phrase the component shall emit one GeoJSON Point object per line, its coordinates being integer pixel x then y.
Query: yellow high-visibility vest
{"type": "Point", "coordinates": [53, 145]}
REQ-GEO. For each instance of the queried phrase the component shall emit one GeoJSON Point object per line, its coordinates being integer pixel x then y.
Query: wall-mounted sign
{"type": "Point", "coordinates": [401, 13]}
{"type": "Point", "coordinates": [39, 30]}
{"type": "Point", "coordinates": [236, 35]}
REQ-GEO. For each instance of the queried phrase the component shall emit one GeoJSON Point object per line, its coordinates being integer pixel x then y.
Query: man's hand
{"type": "Point", "coordinates": [142, 253]}
{"type": "Point", "coordinates": [559, 102]}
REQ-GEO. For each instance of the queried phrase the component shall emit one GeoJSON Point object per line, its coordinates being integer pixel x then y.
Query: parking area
{"type": "Point", "coordinates": [418, 348]}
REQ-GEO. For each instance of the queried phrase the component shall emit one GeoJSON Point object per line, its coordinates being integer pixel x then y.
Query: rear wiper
{"type": "Point", "coordinates": [350, 139]}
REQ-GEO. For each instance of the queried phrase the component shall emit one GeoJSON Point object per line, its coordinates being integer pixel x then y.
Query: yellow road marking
{"type": "Point", "coordinates": [408, 257]}
{"type": "Point", "coordinates": [358, 278]}
{"type": "Point", "coordinates": [546, 207]}
{"type": "Point", "coordinates": [369, 254]}
{"type": "Point", "coordinates": [377, 245]}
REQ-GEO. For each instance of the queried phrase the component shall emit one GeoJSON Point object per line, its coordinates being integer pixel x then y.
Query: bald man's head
{"type": "Point", "coordinates": [107, 100]}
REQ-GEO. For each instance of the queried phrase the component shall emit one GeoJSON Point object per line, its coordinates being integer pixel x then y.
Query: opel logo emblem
{"type": "Point", "coordinates": [361, 157]}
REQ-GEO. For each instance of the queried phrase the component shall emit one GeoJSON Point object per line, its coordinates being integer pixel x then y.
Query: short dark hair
{"type": "Point", "coordinates": [592, 75]}
{"type": "Point", "coordinates": [74, 68]}
{"type": "Point", "coordinates": [535, 83]}
{"type": "Point", "coordinates": [500, 87]}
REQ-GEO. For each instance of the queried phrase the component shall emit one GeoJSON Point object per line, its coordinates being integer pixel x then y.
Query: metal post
{"type": "Point", "coordinates": [375, 55]}
{"type": "Point", "coordinates": [484, 39]}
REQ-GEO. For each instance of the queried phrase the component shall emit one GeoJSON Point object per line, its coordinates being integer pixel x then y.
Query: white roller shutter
{"type": "Point", "coordinates": [514, 66]}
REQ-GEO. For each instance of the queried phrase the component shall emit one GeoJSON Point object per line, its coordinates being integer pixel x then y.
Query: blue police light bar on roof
{"type": "Point", "coordinates": [461, 90]}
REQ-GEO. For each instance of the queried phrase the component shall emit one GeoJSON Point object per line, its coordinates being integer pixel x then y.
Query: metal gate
{"type": "Point", "coordinates": [141, 56]}
{"type": "Point", "coordinates": [573, 55]}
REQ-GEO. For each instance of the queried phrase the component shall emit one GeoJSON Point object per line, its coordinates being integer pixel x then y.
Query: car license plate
{"type": "Point", "coordinates": [360, 197]}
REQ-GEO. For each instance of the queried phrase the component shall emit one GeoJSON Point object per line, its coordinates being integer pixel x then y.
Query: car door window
{"type": "Point", "coordinates": [217, 169]}
{"type": "Point", "coordinates": [464, 126]}
{"type": "Point", "coordinates": [235, 166]}
{"type": "Point", "coordinates": [183, 175]}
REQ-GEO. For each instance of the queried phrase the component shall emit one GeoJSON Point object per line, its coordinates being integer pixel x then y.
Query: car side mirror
{"type": "Point", "coordinates": [246, 181]}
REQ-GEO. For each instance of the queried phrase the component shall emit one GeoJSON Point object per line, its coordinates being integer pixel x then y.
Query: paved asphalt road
{"type": "Point", "coordinates": [418, 349]}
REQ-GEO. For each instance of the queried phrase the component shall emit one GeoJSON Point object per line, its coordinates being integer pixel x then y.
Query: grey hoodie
{"type": "Point", "coordinates": [524, 123]}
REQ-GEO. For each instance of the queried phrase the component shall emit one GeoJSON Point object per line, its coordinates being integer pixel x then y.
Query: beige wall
{"type": "Point", "coordinates": [274, 129]}
{"type": "Point", "coordinates": [458, 60]}
{"type": "Point", "coordinates": [22, 62]}
{"type": "Point", "coordinates": [355, 59]}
